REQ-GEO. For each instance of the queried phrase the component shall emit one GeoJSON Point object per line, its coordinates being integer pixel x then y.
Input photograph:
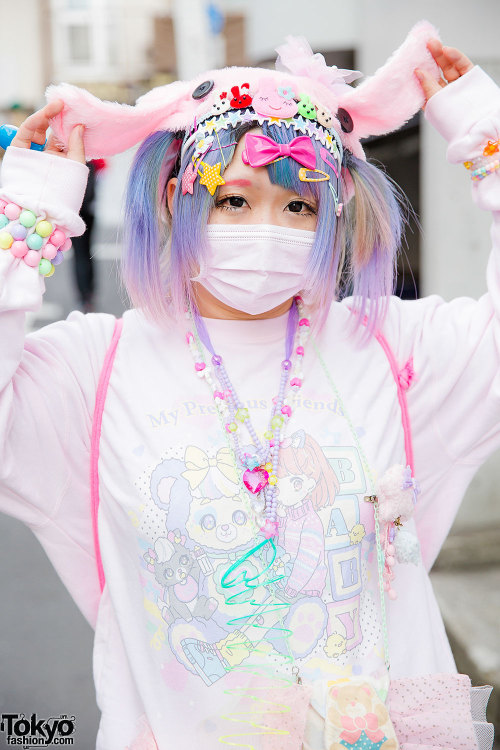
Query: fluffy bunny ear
{"type": "Point", "coordinates": [388, 99]}
{"type": "Point", "coordinates": [111, 127]}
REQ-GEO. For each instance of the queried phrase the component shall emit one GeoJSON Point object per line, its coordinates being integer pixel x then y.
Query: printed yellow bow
{"type": "Point", "coordinates": [198, 465]}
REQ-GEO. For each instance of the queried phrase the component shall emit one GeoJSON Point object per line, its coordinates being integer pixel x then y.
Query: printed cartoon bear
{"type": "Point", "coordinates": [357, 717]}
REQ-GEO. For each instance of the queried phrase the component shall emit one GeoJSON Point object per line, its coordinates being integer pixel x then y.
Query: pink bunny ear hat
{"type": "Point", "coordinates": [380, 104]}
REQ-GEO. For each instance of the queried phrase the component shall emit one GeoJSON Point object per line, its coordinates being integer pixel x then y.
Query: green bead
{"type": "Point", "coordinates": [27, 218]}
{"type": "Point", "coordinates": [233, 426]}
{"type": "Point", "coordinates": [242, 414]}
{"type": "Point", "coordinates": [45, 267]}
{"type": "Point", "coordinates": [276, 422]}
{"type": "Point", "coordinates": [268, 435]}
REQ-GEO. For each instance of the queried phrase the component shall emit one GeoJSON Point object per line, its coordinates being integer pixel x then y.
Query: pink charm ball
{"type": "Point", "coordinates": [49, 251]}
{"type": "Point", "coordinates": [32, 258]}
{"type": "Point", "coordinates": [66, 246]}
{"type": "Point", "coordinates": [19, 248]}
{"type": "Point", "coordinates": [57, 238]}
{"type": "Point", "coordinates": [393, 501]}
{"type": "Point", "coordinates": [2, 205]}
{"type": "Point", "coordinates": [12, 211]}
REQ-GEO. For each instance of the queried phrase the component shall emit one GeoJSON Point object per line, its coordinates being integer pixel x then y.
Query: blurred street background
{"type": "Point", "coordinates": [118, 50]}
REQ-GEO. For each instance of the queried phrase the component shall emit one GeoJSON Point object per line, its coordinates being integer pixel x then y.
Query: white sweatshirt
{"type": "Point", "coordinates": [173, 515]}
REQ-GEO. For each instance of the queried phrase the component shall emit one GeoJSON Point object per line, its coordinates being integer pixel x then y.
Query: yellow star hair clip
{"type": "Point", "coordinates": [211, 177]}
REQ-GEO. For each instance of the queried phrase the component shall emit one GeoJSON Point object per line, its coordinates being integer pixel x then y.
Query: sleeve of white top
{"type": "Point", "coordinates": [48, 384]}
{"type": "Point", "coordinates": [454, 400]}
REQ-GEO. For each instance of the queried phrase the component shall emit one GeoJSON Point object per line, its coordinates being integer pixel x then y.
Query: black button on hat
{"type": "Point", "coordinates": [345, 120]}
{"type": "Point", "coordinates": [203, 89]}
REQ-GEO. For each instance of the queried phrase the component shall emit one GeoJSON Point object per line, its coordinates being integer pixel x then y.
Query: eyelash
{"type": "Point", "coordinates": [220, 203]}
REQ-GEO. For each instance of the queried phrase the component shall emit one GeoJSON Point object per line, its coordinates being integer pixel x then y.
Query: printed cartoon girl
{"type": "Point", "coordinates": [307, 483]}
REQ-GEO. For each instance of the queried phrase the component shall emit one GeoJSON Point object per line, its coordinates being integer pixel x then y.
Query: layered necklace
{"type": "Point", "coordinates": [259, 468]}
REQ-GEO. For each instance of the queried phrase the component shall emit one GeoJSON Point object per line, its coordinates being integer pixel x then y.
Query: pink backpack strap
{"type": "Point", "coordinates": [102, 389]}
{"type": "Point", "coordinates": [403, 379]}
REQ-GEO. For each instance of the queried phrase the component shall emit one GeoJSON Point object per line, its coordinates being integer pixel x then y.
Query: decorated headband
{"type": "Point", "coordinates": [319, 97]}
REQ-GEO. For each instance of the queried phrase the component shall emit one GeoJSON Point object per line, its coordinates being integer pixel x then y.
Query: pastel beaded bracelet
{"type": "Point", "coordinates": [485, 164]}
{"type": "Point", "coordinates": [37, 241]}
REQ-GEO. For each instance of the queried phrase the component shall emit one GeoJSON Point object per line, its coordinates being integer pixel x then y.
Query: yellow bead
{"type": "Point", "coordinates": [268, 466]}
{"type": "Point", "coordinates": [242, 414]}
{"type": "Point", "coordinates": [268, 435]}
{"type": "Point", "coordinates": [50, 273]}
{"type": "Point", "coordinates": [233, 426]}
{"type": "Point", "coordinates": [44, 228]}
{"type": "Point", "coordinates": [272, 479]}
{"type": "Point", "coordinates": [6, 240]}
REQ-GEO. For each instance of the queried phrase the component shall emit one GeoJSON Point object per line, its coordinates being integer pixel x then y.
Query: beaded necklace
{"type": "Point", "coordinates": [261, 467]}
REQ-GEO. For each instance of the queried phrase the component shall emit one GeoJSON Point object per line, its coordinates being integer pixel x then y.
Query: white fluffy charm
{"type": "Point", "coordinates": [397, 494]}
{"type": "Point", "coordinates": [396, 498]}
{"type": "Point", "coordinates": [407, 547]}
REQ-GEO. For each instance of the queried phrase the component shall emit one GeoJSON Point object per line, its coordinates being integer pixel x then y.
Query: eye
{"type": "Point", "coordinates": [235, 201]}
{"type": "Point", "coordinates": [208, 522]}
{"type": "Point", "coordinates": [169, 573]}
{"type": "Point", "coordinates": [184, 560]}
{"type": "Point", "coordinates": [297, 206]}
{"type": "Point", "coordinates": [239, 517]}
{"type": "Point", "coordinates": [297, 484]}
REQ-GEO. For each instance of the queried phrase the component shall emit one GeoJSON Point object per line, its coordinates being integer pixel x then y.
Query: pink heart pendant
{"type": "Point", "coordinates": [255, 479]}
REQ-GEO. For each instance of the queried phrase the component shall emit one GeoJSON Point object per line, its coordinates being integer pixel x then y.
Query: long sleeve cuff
{"type": "Point", "coordinates": [46, 184]}
{"type": "Point", "coordinates": [467, 114]}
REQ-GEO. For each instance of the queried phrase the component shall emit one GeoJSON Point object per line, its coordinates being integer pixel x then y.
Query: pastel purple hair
{"type": "Point", "coordinates": [353, 254]}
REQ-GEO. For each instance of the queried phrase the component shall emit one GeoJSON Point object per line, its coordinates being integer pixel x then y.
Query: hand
{"type": "Point", "coordinates": [452, 62]}
{"type": "Point", "coordinates": [34, 130]}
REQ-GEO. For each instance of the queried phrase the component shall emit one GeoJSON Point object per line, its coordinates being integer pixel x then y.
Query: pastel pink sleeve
{"type": "Point", "coordinates": [48, 382]}
{"type": "Point", "coordinates": [454, 400]}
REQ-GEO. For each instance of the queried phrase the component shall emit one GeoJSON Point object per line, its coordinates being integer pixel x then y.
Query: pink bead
{"type": "Point", "coordinates": [286, 410]}
{"type": "Point", "coordinates": [218, 394]}
{"type": "Point", "coordinates": [392, 594]}
{"type": "Point", "coordinates": [189, 337]}
{"type": "Point", "coordinates": [227, 394]}
{"type": "Point", "coordinates": [32, 258]}
{"type": "Point", "coordinates": [198, 366]}
{"type": "Point", "coordinates": [300, 351]}
{"type": "Point", "coordinates": [270, 528]}
{"type": "Point", "coordinates": [19, 248]}
{"type": "Point", "coordinates": [271, 443]}
{"type": "Point", "coordinates": [57, 238]}
{"type": "Point", "coordinates": [275, 399]}
{"type": "Point", "coordinates": [12, 211]}
{"type": "Point", "coordinates": [66, 246]}
{"type": "Point", "coordinates": [296, 381]}
{"type": "Point", "coordinates": [387, 585]}
{"type": "Point", "coordinates": [390, 560]}
{"type": "Point", "coordinates": [298, 298]}
{"type": "Point", "coordinates": [390, 549]}
{"type": "Point", "coordinates": [304, 322]}
{"type": "Point", "coordinates": [2, 205]}
{"type": "Point", "coordinates": [49, 251]}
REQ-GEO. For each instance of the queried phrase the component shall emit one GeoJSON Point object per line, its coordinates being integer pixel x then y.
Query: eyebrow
{"type": "Point", "coordinates": [238, 183]}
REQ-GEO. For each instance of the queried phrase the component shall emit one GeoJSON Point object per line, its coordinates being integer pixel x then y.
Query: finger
{"type": "Point", "coordinates": [458, 63]}
{"type": "Point", "coordinates": [452, 62]}
{"type": "Point", "coordinates": [34, 128]}
{"type": "Point", "coordinates": [429, 84]}
{"type": "Point", "coordinates": [54, 146]}
{"type": "Point", "coordinates": [76, 150]}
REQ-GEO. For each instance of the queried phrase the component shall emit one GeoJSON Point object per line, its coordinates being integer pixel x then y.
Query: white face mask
{"type": "Point", "coordinates": [255, 267]}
